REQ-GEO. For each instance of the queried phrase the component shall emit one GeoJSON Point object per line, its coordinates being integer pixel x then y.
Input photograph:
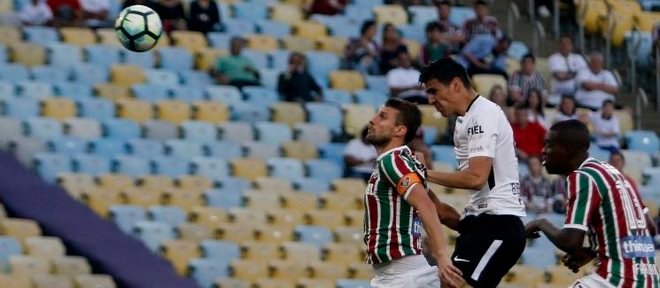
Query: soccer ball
{"type": "Point", "coordinates": [138, 28]}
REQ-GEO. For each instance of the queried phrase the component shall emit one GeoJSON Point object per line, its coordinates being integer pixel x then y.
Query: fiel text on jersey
{"type": "Point", "coordinates": [474, 130]}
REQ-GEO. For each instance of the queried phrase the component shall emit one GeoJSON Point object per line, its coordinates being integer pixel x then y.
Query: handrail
{"type": "Point", "coordinates": [531, 10]}
{"type": "Point", "coordinates": [641, 100]}
{"type": "Point", "coordinates": [538, 35]}
{"type": "Point", "coordinates": [512, 16]}
{"type": "Point", "coordinates": [555, 19]}
{"type": "Point", "coordinates": [657, 77]}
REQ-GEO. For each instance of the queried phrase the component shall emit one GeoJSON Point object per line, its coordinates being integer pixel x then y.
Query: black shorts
{"type": "Point", "coordinates": [487, 247]}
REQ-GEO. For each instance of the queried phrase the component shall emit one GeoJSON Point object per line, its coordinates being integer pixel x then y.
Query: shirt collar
{"type": "Point", "coordinates": [404, 147]}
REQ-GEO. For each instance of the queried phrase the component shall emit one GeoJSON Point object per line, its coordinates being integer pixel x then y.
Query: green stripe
{"type": "Point", "coordinates": [383, 196]}
{"type": "Point", "coordinates": [582, 204]}
{"type": "Point", "coordinates": [404, 219]}
{"type": "Point", "coordinates": [641, 279]}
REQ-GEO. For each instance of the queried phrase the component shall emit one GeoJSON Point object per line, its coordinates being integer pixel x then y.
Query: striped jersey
{"type": "Point", "coordinates": [602, 202]}
{"type": "Point", "coordinates": [392, 228]}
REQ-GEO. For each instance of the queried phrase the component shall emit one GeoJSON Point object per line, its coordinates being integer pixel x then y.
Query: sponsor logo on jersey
{"type": "Point", "coordinates": [417, 227]}
{"type": "Point", "coordinates": [637, 247]}
{"type": "Point", "coordinates": [475, 130]}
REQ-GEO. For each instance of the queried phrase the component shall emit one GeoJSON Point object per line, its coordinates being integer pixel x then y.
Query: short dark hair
{"type": "Point", "coordinates": [573, 135]}
{"type": "Point", "coordinates": [409, 116]}
{"type": "Point", "coordinates": [442, 3]}
{"type": "Point", "coordinates": [608, 101]}
{"type": "Point", "coordinates": [433, 26]}
{"type": "Point", "coordinates": [366, 25]}
{"type": "Point", "coordinates": [521, 106]}
{"type": "Point", "coordinates": [480, 2]}
{"type": "Point", "coordinates": [445, 70]}
{"type": "Point", "coordinates": [618, 153]}
{"type": "Point", "coordinates": [528, 56]}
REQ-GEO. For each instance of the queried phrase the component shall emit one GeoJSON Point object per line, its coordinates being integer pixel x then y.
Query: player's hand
{"type": "Point", "coordinates": [532, 229]}
{"type": "Point", "coordinates": [450, 276]}
{"type": "Point", "coordinates": [578, 259]}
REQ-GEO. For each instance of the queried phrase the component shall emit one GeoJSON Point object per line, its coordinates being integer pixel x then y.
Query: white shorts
{"type": "Point", "coordinates": [411, 271]}
{"type": "Point", "coordinates": [592, 280]}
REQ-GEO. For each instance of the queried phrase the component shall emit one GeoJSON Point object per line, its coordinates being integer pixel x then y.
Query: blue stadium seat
{"type": "Point", "coordinates": [250, 11]}
{"type": "Point", "coordinates": [259, 59]}
{"type": "Point", "coordinates": [10, 129]}
{"type": "Point", "coordinates": [339, 97]}
{"type": "Point", "coordinates": [223, 198]}
{"type": "Point", "coordinates": [217, 249]}
{"type": "Point", "coordinates": [14, 72]}
{"type": "Point", "coordinates": [260, 95]}
{"type": "Point", "coordinates": [269, 77]}
{"type": "Point", "coordinates": [144, 59]}
{"type": "Point", "coordinates": [21, 108]}
{"type": "Point", "coordinates": [49, 165]}
{"type": "Point", "coordinates": [600, 154]}
{"type": "Point", "coordinates": [321, 63]}
{"type": "Point", "coordinates": [145, 148]}
{"type": "Point", "coordinates": [125, 216]}
{"type": "Point", "coordinates": [357, 15]}
{"type": "Point", "coordinates": [3, 54]}
{"type": "Point", "coordinates": [64, 55]}
{"type": "Point", "coordinates": [33, 89]}
{"type": "Point", "coordinates": [49, 74]}
{"type": "Point", "coordinates": [120, 129]}
{"type": "Point", "coordinates": [646, 141]}
{"type": "Point", "coordinates": [196, 78]}
{"type": "Point", "coordinates": [24, 148]}
{"type": "Point", "coordinates": [458, 15]}
{"type": "Point", "coordinates": [91, 164]}
{"type": "Point", "coordinates": [313, 234]}
{"type": "Point", "coordinates": [43, 128]}
{"type": "Point", "coordinates": [41, 35]}
{"type": "Point", "coordinates": [314, 186]}
{"type": "Point", "coordinates": [75, 91]}
{"type": "Point", "coordinates": [9, 246]}
{"type": "Point", "coordinates": [239, 27]}
{"type": "Point", "coordinates": [219, 40]}
{"type": "Point", "coordinates": [333, 152]}
{"type": "Point", "coordinates": [175, 58]}
{"type": "Point", "coordinates": [131, 166]}
{"type": "Point", "coordinates": [377, 84]}
{"type": "Point", "coordinates": [211, 168]}
{"type": "Point", "coordinates": [250, 112]}
{"type": "Point", "coordinates": [236, 132]}
{"type": "Point", "coordinates": [90, 74]}
{"type": "Point", "coordinates": [421, 15]}
{"type": "Point", "coordinates": [172, 215]}
{"type": "Point", "coordinates": [352, 283]}
{"type": "Point", "coordinates": [68, 145]}
{"type": "Point", "coordinates": [325, 114]}
{"type": "Point", "coordinates": [370, 97]}
{"type": "Point", "coordinates": [7, 90]}
{"type": "Point", "coordinates": [107, 147]}
{"type": "Point", "coordinates": [188, 94]}
{"type": "Point", "coordinates": [444, 154]}
{"type": "Point", "coordinates": [198, 131]}
{"type": "Point", "coordinates": [279, 59]}
{"type": "Point", "coordinates": [538, 256]}
{"type": "Point", "coordinates": [235, 184]}
{"type": "Point", "coordinates": [273, 133]}
{"type": "Point", "coordinates": [183, 149]}
{"type": "Point", "coordinates": [169, 166]}
{"type": "Point", "coordinates": [286, 168]}
{"type": "Point", "coordinates": [224, 150]}
{"type": "Point", "coordinates": [228, 95]}
{"type": "Point", "coordinates": [346, 27]}
{"type": "Point", "coordinates": [150, 92]}
{"type": "Point", "coordinates": [206, 271]}
{"type": "Point", "coordinates": [517, 50]}
{"type": "Point", "coordinates": [258, 150]}
{"type": "Point", "coordinates": [652, 177]}
{"type": "Point", "coordinates": [84, 128]}
{"type": "Point", "coordinates": [430, 134]}
{"type": "Point", "coordinates": [324, 169]}
{"type": "Point", "coordinates": [367, 4]}
{"type": "Point", "coordinates": [159, 130]}
{"type": "Point", "coordinates": [153, 233]}
{"type": "Point", "coordinates": [413, 32]}
{"type": "Point", "coordinates": [162, 77]}
{"type": "Point", "coordinates": [103, 55]}
{"type": "Point", "coordinates": [99, 109]}
{"type": "Point", "coordinates": [273, 28]}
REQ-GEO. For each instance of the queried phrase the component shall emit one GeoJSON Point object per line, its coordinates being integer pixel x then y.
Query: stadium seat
{"type": "Point", "coordinates": [290, 169]}
{"type": "Point", "coordinates": [285, 270]}
{"type": "Point", "coordinates": [269, 77]}
{"type": "Point", "coordinates": [250, 11]}
{"type": "Point", "coordinates": [223, 150]}
{"type": "Point", "coordinates": [525, 275]}
{"type": "Point", "coordinates": [312, 186]}
{"type": "Point", "coordinates": [349, 186]}
{"type": "Point", "coordinates": [20, 229]}
{"type": "Point", "coordinates": [485, 82]}
{"type": "Point", "coordinates": [260, 44]}
{"type": "Point", "coordinates": [300, 150]}
{"type": "Point", "coordinates": [341, 253]}
{"type": "Point", "coordinates": [108, 36]}
{"type": "Point", "coordinates": [260, 96]}
{"type": "Point", "coordinates": [313, 234]}
{"type": "Point", "coordinates": [113, 92]}
{"type": "Point", "coordinates": [153, 233]}
{"type": "Point", "coordinates": [43, 128]}
{"type": "Point", "coordinates": [64, 55]}
{"type": "Point", "coordinates": [9, 246]}
{"type": "Point", "coordinates": [289, 14]}
{"type": "Point", "coordinates": [356, 117]}
{"type": "Point", "coordinates": [333, 152]}
{"type": "Point", "coordinates": [346, 80]}
{"type": "Point", "coordinates": [260, 200]}
{"type": "Point", "coordinates": [249, 270]}
{"type": "Point", "coordinates": [301, 252]}
{"type": "Point", "coordinates": [237, 232]}
{"type": "Point", "coordinates": [326, 218]}
{"type": "Point", "coordinates": [49, 74]}
{"type": "Point", "coordinates": [309, 29]}
{"type": "Point", "coordinates": [76, 184]}
{"type": "Point", "coordinates": [25, 148]}
{"type": "Point", "coordinates": [159, 130]}
{"type": "Point", "coordinates": [228, 95]}
{"type": "Point", "coordinates": [51, 281]}
{"type": "Point", "coordinates": [14, 72]}
{"type": "Point", "coordinates": [28, 265]}
{"type": "Point", "coordinates": [83, 128]}
{"type": "Point", "coordinates": [10, 35]}
{"type": "Point", "coordinates": [58, 108]}
{"type": "Point", "coordinates": [324, 169]}
{"type": "Point", "coordinates": [312, 133]}
{"type": "Point", "coordinates": [34, 90]}
{"type": "Point", "coordinates": [421, 15]}
{"type": "Point", "coordinates": [328, 115]}
{"type": "Point", "coordinates": [89, 74]}
{"type": "Point", "coordinates": [444, 154]}
{"type": "Point", "coordinates": [10, 129]}
{"type": "Point", "coordinates": [646, 141]}
{"type": "Point", "coordinates": [280, 231]}
{"type": "Point", "coordinates": [334, 45]}
{"type": "Point", "coordinates": [254, 250]}
{"type": "Point", "coordinates": [75, 91]}
{"type": "Point", "coordinates": [175, 59]}
{"type": "Point", "coordinates": [261, 151]}
{"type": "Point", "coordinates": [369, 97]}
{"type": "Point", "coordinates": [273, 133]}
{"type": "Point", "coordinates": [155, 183]}
{"type": "Point", "coordinates": [173, 111]}
{"type": "Point", "coordinates": [169, 166]}
{"type": "Point", "coordinates": [198, 78]}
{"type": "Point", "coordinates": [212, 112]}
{"type": "Point", "coordinates": [193, 232]}
{"type": "Point", "coordinates": [120, 129]}
{"type": "Point", "coordinates": [250, 112]}
{"type": "Point", "coordinates": [150, 92]}
{"type": "Point", "coordinates": [145, 59]}
{"type": "Point", "coordinates": [298, 44]}
{"type": "Point", "coordinates": [127, 75]}
{"type": "Point", "coordinates": [188, 94]}
{"type": "Point", "coordinates": [220, 40]}
{"type": "Point", "coordinates": [20, 108]}
{"type": "Point", "coordinates": [344, 27]}
{"type": "Point", "coordinates": [94, 281]}
{"type": "Point", "coordinates": [394, 14]}
{"type": "Point", "coordinates": [191, 40]}
{"type": "Point", "coordinates": [28, 54]}
{"type": "Point", "coordinates": [107, 147]}
{"type": "Point", "coordinates": [172, 215]}
{"type": "Point", "coordinates": [91, 164]}
{"type": "Point", "coordinates": [236, 132]}
{"type": "Point", "coordinates": [352, 283]}
{"type": "Point", "coordinates": [340, 202]}
{"type": "Point", "coordinates": [131, 165]}
{"type": "Point", "coordinates": [431, 117]}
{"type": "Point", "coordinates": [103, 55]}
{"type": "Point", "coordinates": [78, 36]}
{"type": "Point", "coordinates": [237, 27]}
{"type": "Point", "coordinates": [125, 216]}
{"type": "Point", "coordinates": [273, 28]}
{"type": "Point", "coordinates": [289, 113]}
{"type": "Point", "coordinates": [195, 183]}
{"type": "Point", "coordinates": [250, 169]}
{"type": "Point", "coordinates": [145, 148]}
{"type": "Point", "coordinates": [276, 185]}
{"type": "Point", "coordinates": [206, 271]}
{"type": "Point", "coordinates": [198, 131]}
{"type": "Point", "coordinates": [209, 217]}
{"type": "Point", "coordinates": [377, 83]}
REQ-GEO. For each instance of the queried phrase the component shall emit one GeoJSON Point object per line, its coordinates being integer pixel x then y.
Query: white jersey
{"type": "Point", "coordinates": [485, 131]}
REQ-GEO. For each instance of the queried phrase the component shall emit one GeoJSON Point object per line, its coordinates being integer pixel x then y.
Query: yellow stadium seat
{"type": "Point", "coordinates": [191, 40]}
{"type": "Point", "coordinates": [332, 44]}
{"type": "Point", "coordinates": [297, 2]}
{"type": "Point", "coordinates": [71, 266]}
{"type": "Point", "coordinates": [193, 232]}
{"type": "Point", "coordinates": [361, 270]}
{"type": "Point", "coordinates": [248, 216]}
{"type": "Point", "coordinates": [58, 108]}
{"type": "Point", "coordinates": [285, 218]}
{"type": "Point", "coordinates": [250, 169]}
{"type": "Point", "coordinates": [20, 228]}
{"type": "Point", "coordinates": [342, 253]}
{"type": "Point", "coordinates": [127, 75]}
{"type": "Point", "coordinates": [349, 235]}
{"type": "Point", "coordinates": [300, 252]}
{"type": "Point", "coordinates": [78, 36]}
{"type": "Point", "coordinates": [253, 250]}
{"type": "Point", "coordinates": [173, 111]}
{"type": "Point", "coordinates": [394, 14]}
{"type": "Point", "coordinates": [346, 80]}
{"type": "Point", "coordinates": [543, 67]}
{"type": "Point", "coordinates": [135, 110]}
{"type": "Point", "coordinates": [28, 265]}
{"type": "Point", "coordinates": [14, 281]}
{"type": "Point", "coordinates": [51, 281]}
{"type": "Point", "coordinates": [625, 120]}
{"type": "Point", "coordinates": [414, 48]}
{"type": "Point", "coordinates": [108, 36]}
{"type": "Point", "coordinates": [6, 6]}
{"type": "Point", "coordinates": [112, 91]}
{"type": "Point", "coordinates": [325, 270]}
{"type": "Point", "coordinates": [315, 283]}
{"type": "Point", "coordinates": [354, 218]}
{"type": "Point", "coordinates": [44, 247]}
{"type": "Point", "coordinates": [299, 201]}
{"type": "Point", "coordinates": [232, 283]}
{"type": "Point", "coordinates": [274, 234]}
{"type": "Point", "coordinates": [273, 184]}
{"type": "Point", "coordinates": [485, 82]}
{"type": "Point", "coordinates": [589, 13]}
{"type": "Point", "coordinates": [290, 270]}
{"type": "Point", "coordinates": [559, 275]}
{"type": "Point", "coordinates": [645, 21]}
{"type": "Point", "coordinates": [76, 184]}
{"type": "Point", "coordinates": [300, 150]}
{"type": "Point", "coordinates": [356, 117]}
{"type": "Point", "coordinates": [263, 43]}
{"type": "Point", "coordinates": [353, 186]}
{"type": "Point", "coordinates": [10, 35]}
{"type": "Point", "coordinates": [142, 197]}
{"type": "Point", "coordinates": [194, 183]}
{"type": "Point", "coordinates": [618, 23]}
{"type": "Point", "coordinates": [258, 200]}
{"type": "Point", "coordinates": [249, 270]}
{"type": "Point", "coordinates": [521, 274]}
{"type": "Point", "coordinates": [156, 183]}
{"type": "Point", "coordinates": [94, 281]}
{"type": "Point", "coordinates": [28, 54]}
{"type": "Point", "coordinates": [236, 232]}
{"type": "Point", "coordinates": [163, 41]}
{"type": "Point", "coordinates": [288, 112]}
{"type": "Point", "coordinates": [340, 202]}
{"type": "Point", "coordinates": [184, 198]}
{"type": "Point", "coordinates": [100, 199]}
{"type": "Point", "coordinates": [330, 219]}
{"type": "Point", "coordinates": [512, 65]}
{"type": "Point", "coordinates": [179, 252]}
{"type": "Point", "coordinates": [289, 14]}
{"type": "Point", "coordinates": [274, 283]}
{"type": "Point", "coordinates": [211, 217]}
{"type": "Point", "coordinates": [298, 44]}
{"type": "Point", "coordinates": [207, 58]}
{"type": "Point", "coordinates": [431, 117]}
{"type": "Point", "coordinates": [213, 112]}
{"type": "Point", "coordinates": [310, 29]}
{"type": "Point", "coordinates": [115, 181]}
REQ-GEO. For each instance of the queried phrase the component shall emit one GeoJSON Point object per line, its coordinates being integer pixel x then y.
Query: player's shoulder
{"type": "Point", "coordinates": [482, 108]}
{"type": "Point", "coordinates": [402, 152]}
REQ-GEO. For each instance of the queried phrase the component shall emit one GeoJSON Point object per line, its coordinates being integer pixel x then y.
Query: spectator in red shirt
{"type": "Point", "coordinates": [528, 136]}
{"type": "Point", "coordinates": [326, 7]}
{"type": "Point", "coordinates": [482, 24]}
{"type": "Point", "coordinates": [65, 12]}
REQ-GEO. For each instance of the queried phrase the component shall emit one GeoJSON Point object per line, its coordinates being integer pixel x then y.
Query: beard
{"type": "Point", "coordinates": [378, 140]}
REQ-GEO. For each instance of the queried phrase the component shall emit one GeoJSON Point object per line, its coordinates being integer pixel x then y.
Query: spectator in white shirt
{"type": "Point", "coordinates": [564, 66]}
{"type": "Point", "coordinates": [595, 84]}
{"type": "Point", "coordinates": [95, 12]}
{"type": "Point", "coordinates": [403, 81]}
{"type": "Point", "coordinates": [360, 157]}
{"type": "Point", "coordinates": [567, 109]}
{"type": "Point", "coordinates": [606, 128]}
{"type": "Point", "coordinates": [37, 12]}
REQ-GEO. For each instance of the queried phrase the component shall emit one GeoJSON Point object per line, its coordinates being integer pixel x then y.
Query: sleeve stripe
{"type": "Point", "coordinates": [576, 226]}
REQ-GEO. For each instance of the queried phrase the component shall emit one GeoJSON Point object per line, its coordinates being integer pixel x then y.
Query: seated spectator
{"type": "Point", "coordinates": [172, 14]}
{"type": "Point", "coordinates": [451, 33]}
{"type": "Point", "coordinates": [204, 16]}
{"type": "Point", "coordinates": [605, 127]}
{"type": "Point", "coordinates": [361, 53]}
{"type": "Point", "coordinates": [36, 13]}
{"type": "Point", "coordinates": [559, 190]}
{"type": "Point", "coordinates": [235, 69]}
{"type": "Point", "coordinates": [567, 109]}
{"type": "Point", "coordinates": [535, 104]}
{"type": "Point", "coordinates": [482, 23]}
{"type": "Point", "coordinates": [618, 161]}
{"type": "Point", "coordinates": [326, 7]}
{"type": "Point", "coordinates": [435, 47]}
{"type": "Point", "coordinates": [595, 84]}
{"type": "Point", "coordinates": [403, 81]}
{"type": "Point", "coordinates": [360, 157]}
{"type": "Point", "coordinates": [535, 189]}
{"type": "Point", "coordinates": [528, 136]}
{"type": "Point", "coordinates": [296, 84]}
{"type": "Point", "coordinates": [95, 13]}
{"type": "Point", "coordinates": [65, 12]}
{"type": "Point", "coordinates": [526, 79]}
{"type": "Point", "coordinates": [391, 48]}
{"type": "Point", "coordinates": [498, 96]}
{"type": "Point", "coordinates": [148, 3]}
{"type": "Point", "coordinates": [564, 66]}
{"type": "Point", "coordinates": [485, 55]}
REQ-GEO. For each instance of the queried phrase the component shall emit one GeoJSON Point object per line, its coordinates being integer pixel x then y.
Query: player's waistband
{"type": "Point", "coordinates": [401, 265]}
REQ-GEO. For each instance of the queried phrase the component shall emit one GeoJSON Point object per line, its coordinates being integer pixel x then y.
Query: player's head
{"type": "Point", "coordinates": [398, 120]}
{"type": "Point", "coordinates": [566, 146]}
{"type": "Point", "coordinates": [617, 160]}
{"type": "Point", "coordinates": [445, 81]}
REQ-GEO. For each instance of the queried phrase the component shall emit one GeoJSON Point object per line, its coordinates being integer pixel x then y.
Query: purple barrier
{"type": "Point", "coordinates": [108, 250]}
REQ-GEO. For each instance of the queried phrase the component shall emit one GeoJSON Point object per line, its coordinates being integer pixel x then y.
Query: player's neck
{"type": "Point", "coordinates": [468, 101]}
{"type": "Point", "coordinates": [380, 150]}
{"type": "Point", "coordinates": [576, 162]}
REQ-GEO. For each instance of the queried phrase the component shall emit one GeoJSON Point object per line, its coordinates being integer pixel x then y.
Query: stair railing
{"type": "Point", "coordinates": [641, 100]}
{"type": "Point", "coordinates": [513, 15]}
{"type": "Point", "coordinates": [538, 35]}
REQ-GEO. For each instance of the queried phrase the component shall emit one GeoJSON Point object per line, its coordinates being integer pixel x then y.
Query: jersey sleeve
{"type": "Point", "coordinates": [402, 171]}
{"type": "Point", "coordinates": [582, 201]}
{"type": "Point", "coordinates": [482, 134]}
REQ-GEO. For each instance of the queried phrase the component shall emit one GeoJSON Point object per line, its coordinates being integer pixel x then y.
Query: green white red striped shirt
{"type": "Point", "coordinates": [392, 228]}
{"type": "Point", "coordinates": [602, 202]}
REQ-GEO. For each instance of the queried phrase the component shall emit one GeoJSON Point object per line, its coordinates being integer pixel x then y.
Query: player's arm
{"type": "Point", "coordinates": [447, 214]}
{"type": "Point", "coordinates": [473, 178]}
{"type": "Point", "coordinates": [567, 239]}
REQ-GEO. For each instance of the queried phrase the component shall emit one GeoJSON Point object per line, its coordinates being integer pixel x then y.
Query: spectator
{"type": "Point", "coordinates": [204, 16]}
{"type": "Point", "coordinates": [485, 55]}
{"type": "Point", "coordinates": [559, 190]}
{"type": "Point", "coordinates": [526, 79]}
{"type": "Point", "coordinates": [535, 189]}
{"type": "Point", "coordinates": [618, 161]}
{"type": "Point", "coordinates": [360, 157]}
{"type": "Point", "coordinates": [535, 104]}
{"type": "Point", "coordinates": [296, 84]}
{"type": "Point", "coordinates": [482, 24]}
{"type": "Point", "coordinates": [595, 84]}
{"type": "Point", "coordinates": [567, 109]}
{"type": "Point", "coordinates": [95, 13]}
{"type": "Point", "coordinates": [392, 47]}
{"type": "Point", "coordinates": [528, 136]}
{"type": "Point", "coordinates": [435, 47]}
{"type": "Point", "coordinates": [172, 14]}
{"type": "Point", "coordinates": [36, 13]}
{"type": "Point", "coordinates": [606, 128]}
{"type": "Point", "coordinates": [65, 12]}
{"type": "Point", "coordinates": [498, 96]}
{"type": "Point", "coordinates": [236, 69]}
{"type": "Point", "coordinates": [403, 81]}
{"type": "Point", "coordinates": [417, 145]}
{"type": "Point", "coordinates": [451, 33]}
{"type": "Point", "coordinates": [326, 7]}
{"type": "Point", "coordinates": [361, 53]}
{"type": "Point", "coordinates": [564, 66]}
{"type": "Point", "coordinates": [148, 3]}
